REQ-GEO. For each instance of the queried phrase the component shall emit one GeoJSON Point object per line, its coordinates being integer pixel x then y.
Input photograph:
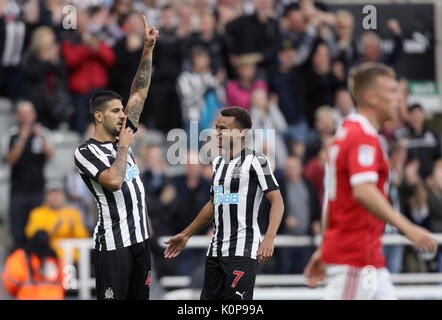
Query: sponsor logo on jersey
{"type": "Point", "coordinates": [224, 198]}
{"type": "Point", "coordinates": [131, 172]}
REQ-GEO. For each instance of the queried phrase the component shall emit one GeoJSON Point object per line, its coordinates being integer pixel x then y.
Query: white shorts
{"type": "Point", "coordinates": [344, 282]}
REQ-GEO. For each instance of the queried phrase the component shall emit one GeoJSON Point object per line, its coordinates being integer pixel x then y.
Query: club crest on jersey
{"type": "Point", "coordinates": [366, 155]}
{"type": "Point", "coordinates": [236, 172]}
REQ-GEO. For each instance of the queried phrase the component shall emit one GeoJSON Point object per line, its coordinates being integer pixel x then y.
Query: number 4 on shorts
{"type": "Point", "coordinates": [238, 274]}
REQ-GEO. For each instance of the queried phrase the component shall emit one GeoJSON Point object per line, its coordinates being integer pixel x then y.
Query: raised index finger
{"type": "Point", "coordinates": [123, 126]}
{"type": "Point", "coordinates": [146, 25]}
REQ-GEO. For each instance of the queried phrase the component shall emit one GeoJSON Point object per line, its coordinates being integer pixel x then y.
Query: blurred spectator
{"type": "Point", "coordinates": [301, 216]}
{"type": "Point", "coordinates": [163, 111]}
{"type": "Point", "coordinates": [265, 115]}
{"type": "Point", "coordinates": [160, 192]}
{"type": "Point", "coordinates": [51, 14]}
{"type": "Point", "coordinates": [16, 19]}
{"type": "Point", "coordinates": [120, 10]}
{"type": "Point", "coordinates": [46, 79]}
{"type": "Point", "coordinates": [80, 198]}
{"type": "Point", "coordinates": [414, 203]}
{"type": "Point", "coordinates": [314, 170]}
{"type": "Point", "coordinates": [200, 92]}
{"type": "Point", "coordinates": [208, 37]}
{"type": "Point", "coordinates": [88, 60]}
{"type": "Point", "coordinates": [193, 191]}
{"type": "Point", "coordinates": [422, 143]}
{"type": "Point", "coordinates": [324, 128]}
{"type": "Point", "coordinates": [316, 12]}
{"type": "Point", "coordinates": [287, 82]}
{"type": "Point", "coordinates": [150, 9]}
{"type": "Point", "coordinates": [78, 195]}
{"type": "Point", "coordinates": [34, 273]}
{"type": "Point", "coordinates": [128, 51]}
{"type": "Point", "coordinates": [295, 29]}
{"type": "Point", "coordinates": [227, 11]}
{"type": "Point", "coordinates": [321, 82]}
{"type": "Point", "coordinates": [161, 199]}
{"type": "Point", "coordinates": [343, 106]}
{"type": "Point", "coordinates": [29, 147]}
{"type": "Point", "coordinates": [320, 20]}
{"type": "Point", "coordinates": [255, 34]}
{"type": "Point", "coordinates": [372, 50]}
{"type": "Point", "coordinates": [187, 20]}
{"type": "Point", "coordinates": [346, 47]}
{"type": "Point", "coordinates": [57, 219]}
{"type": "Point", "coordinates": [413, 194]}
{"type": "Point", "coordinates": [104, 26]}
{"type": "Point", "coordinates": [397, 156]}
{"type": "Point", "coordinates": [435, 205]}
{"type": "Point", "coordinates": [239, 91]}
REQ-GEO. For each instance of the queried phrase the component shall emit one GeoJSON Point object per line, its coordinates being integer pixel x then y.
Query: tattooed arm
{"type": "Point", "coordinates": [113, 177]}
{"type": "Point", "coordinates": [141, 82]}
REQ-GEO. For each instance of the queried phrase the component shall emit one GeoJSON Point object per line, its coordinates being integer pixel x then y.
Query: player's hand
{"type": "Point", "coordinates": [127, 136]}
{"type": "Point", "coordinates": [314, 271]}
{"type": "Point", "coordinates": [150, 34]}
{"type": "Point", "coordinates": [265, 250]}
{"type": "Point", "coordinates": [176, 245]}
{"type": "Point", "coordinates": [422, 239]}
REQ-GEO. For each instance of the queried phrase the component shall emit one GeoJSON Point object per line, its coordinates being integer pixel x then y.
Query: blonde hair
{"type": "Point", "coordinates": [364, 76]}
{"type": "Point", "coordinates": [344, 15]}
{"type": "Point", "coordinates": [323, 110]}
{"type": "Point", "coordinates": [37, 42]}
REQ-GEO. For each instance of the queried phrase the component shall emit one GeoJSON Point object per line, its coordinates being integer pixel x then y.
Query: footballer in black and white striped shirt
{"type": "Point", "coordinates": [240, 178]}
{"type": "Point", "coordinates": [107, 166]}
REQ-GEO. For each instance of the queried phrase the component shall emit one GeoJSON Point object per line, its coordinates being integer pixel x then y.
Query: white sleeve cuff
{"type": "Point", "coordinates": [363, 177]}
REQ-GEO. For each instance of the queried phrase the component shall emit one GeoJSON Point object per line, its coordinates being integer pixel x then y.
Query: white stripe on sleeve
{"type": "Point", "coordinates": [363, 177]}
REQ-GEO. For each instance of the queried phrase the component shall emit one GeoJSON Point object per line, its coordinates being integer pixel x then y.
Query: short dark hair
{"type": "Point", "coordinates": [197, 51]}
{"type": "Point", "coordinates": [99, 101]}
{"type": "Point", "coordinates": [291, 7]}
{"type": "Point", "coordinates": [242, 116]}
{"type": "Point", "coordinates": [415, 106]}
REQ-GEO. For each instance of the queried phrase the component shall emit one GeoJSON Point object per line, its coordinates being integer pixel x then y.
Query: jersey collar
{"type": "Point", "coordinates": [365, 124]}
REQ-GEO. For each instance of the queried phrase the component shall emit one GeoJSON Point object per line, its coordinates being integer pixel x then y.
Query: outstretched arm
{"type": "Point", "coordinates": [179, 241]}
{"type": "Point", "coordinates": [141, 82]}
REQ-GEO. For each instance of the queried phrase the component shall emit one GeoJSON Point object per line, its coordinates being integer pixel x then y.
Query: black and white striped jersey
{"type": "Point", "coordinates": [237, 188]}
{"type": "Point", "coordinates": [122, 214]}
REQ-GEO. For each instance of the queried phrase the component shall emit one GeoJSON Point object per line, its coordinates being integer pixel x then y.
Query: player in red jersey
{"type": "Point", "coordinates": [350, 256]}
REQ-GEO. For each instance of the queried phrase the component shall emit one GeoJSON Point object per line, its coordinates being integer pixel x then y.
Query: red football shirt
{"type": "Point", "coordinates": [353, 235]}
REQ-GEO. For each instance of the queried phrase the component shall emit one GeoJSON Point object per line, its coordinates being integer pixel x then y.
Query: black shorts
{"type": "Point", "coordinates": [123, 273]}
{"type": "Point", "coordinates": [229, 278]}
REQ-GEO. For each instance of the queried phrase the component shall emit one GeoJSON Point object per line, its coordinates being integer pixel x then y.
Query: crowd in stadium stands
{"type": "Point", "coordinates": [286, 63]}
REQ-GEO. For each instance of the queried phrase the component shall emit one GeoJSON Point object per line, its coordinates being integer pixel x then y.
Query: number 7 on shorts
{"type": "Point", "coordinates": [238, 274]}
